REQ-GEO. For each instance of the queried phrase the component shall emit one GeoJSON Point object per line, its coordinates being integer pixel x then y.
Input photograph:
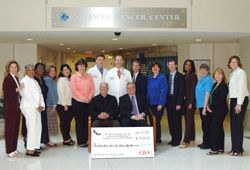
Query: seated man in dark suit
{"type": "Point", "coordinates": [104, 109]}
{"type": "Point", "coordinates": [133, 108]}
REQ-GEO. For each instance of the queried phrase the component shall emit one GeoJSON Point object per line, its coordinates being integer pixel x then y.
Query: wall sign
{"type": "Point", "coordinates": [114, 17]}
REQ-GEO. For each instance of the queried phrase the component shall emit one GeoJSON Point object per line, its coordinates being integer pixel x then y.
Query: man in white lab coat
{"type": "Point", "coordinates": [98, 72]}
{"type": "Point", "coordinates": [117, 78]}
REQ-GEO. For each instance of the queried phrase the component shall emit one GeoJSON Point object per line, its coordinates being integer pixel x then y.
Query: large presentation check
{"type": "Point", "coordinates": [122, 142]}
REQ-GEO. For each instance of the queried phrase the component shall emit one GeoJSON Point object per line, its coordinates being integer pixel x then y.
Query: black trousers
{"type": "Point", "coordinates": [65, 121]}
{"type": "Point", "coordinates": [45, 133]}
{"type": "Point", "coordinates": [127, 122]}
{"type": "Point", "coordinates": [80, 111]}
{"type": "Point", "coordinates": [158, 116]}
{"type": "Point", "coordinates": [189, 125]}
{"type": "Point", "coordinates": [206, 126]}
{"type": "Point", "coordinates": [237, 124]}
{"type": "Point", "coordinates": [105, 123]}
{"type": "Point", "coordinates": [216, 130]}
{"type": "Point", "coordinates": [174, 121]}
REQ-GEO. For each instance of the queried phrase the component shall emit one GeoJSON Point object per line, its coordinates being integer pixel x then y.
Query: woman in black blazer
{"type": "Point", "coordinates": [218, 110]}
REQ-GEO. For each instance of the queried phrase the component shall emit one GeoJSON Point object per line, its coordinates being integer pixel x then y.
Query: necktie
{"type": "Point", "coordinates": [119, 74]}
{"type": "Point", "coordinates": [170, 83]}
{"type": "Point", "coordinates": [134, 105]}
{"type": "Point", "coordinates": [101, 70]}
{"type": "Point", "coordinates": [134, 79]}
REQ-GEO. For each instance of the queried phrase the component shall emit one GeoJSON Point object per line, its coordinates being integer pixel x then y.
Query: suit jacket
{"type": "Point", "coordinates": [190, 84]}
{"type": "Point", "coordinates": [126, 108]}
{"type": "Point", "coordinates": [11, 97]}
{"type": "Point", "coordinates": [100, 104]}
{"type": "Point", "coordinates": [219, 98]}
{"type": "Point", "coordinates": [179, 89]}
{"type": "Point", "coordinates": [141, 84]}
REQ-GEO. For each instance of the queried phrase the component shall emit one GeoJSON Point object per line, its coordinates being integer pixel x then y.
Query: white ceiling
{"type": "Point", "coordinates": [97, 41]}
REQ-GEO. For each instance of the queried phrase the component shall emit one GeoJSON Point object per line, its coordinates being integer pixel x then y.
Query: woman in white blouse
{"type": "Point", "coordinates": [238, 95]}
{"type": "Point", "coordinates": [64, 103]}
{"type": "Point", "coordinates": [32, 104]}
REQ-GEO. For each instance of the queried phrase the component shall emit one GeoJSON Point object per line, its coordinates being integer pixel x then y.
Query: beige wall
{"type": "Point", "coordinates": [22, 53]}
{"type": "Point", "coordinates": [202, 15]}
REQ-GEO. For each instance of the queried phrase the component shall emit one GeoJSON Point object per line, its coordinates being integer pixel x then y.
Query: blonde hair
{"type": "Point", "coordinates": [220, 71]}
{"type": "Point", "coordinates": [7, 66]}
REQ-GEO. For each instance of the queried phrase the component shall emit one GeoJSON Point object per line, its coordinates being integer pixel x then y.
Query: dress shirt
{"type": "Point", "coordinates": [100, 104]}
{"type": "Point", "coordinates": [136, 74]}
{"type": "Point", "coordinates": [172, 82]}
{"type": "Point", "coordinates": [64, 92]}
{"type": "Point", "coordinates": [82, 86]}
{"type": "Point", "coordinates": [238, 85]}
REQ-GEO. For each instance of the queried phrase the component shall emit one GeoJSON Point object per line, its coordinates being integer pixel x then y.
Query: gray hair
{"type": "Point", "coordinates": [27, 66]}
{"type": "Point", "coordinates": [129, 83]}
{"type": "Point", "coordinates": [104, 83]}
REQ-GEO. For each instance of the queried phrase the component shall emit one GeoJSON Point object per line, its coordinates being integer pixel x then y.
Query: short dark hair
{"type": "Point", "coordinates": [155, 63]}
{"type": "Point", "coordinates": [234, 57]}
{"type": "Point", "coordinates": [204, 66]}
{"type": "Point", "coordinates": [40, 64]}
{"type": "Point", "coordinates": [61, 69]}
{"type": "Point", "coordinates": [100, 55]}
{"type": "Point", "coordinates": [81, 61]}
{"type": "Point", "coordinates": [136, 61]}
{"type": "Point", "coordinates": [171, 60]}
{"type": "Point", "coordinates": [7, 67]}
{"type": "Point", "coordinates": [119, 56]}
{"type": "Point", "coordinates": [192, 66]}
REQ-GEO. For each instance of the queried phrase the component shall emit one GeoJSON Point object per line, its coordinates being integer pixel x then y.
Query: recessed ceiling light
{"type": "Point", "coordinates": [114, 39]}
{"type": "Point", "coordinates": [198, 39]}
{"type": "Point", "coordinates": [103, 51]}
{"type": "Point", "coordinates": [109, 57]}
{"type": "Point", "coordinates": [68, 48]}
{"type": "Point", "coordinates": [120, 48]}
{"type": "Point", "coordinates": [29, 39]}
{"type": "Point", "coordinates": [73, 51]}
{"type": "Point", "coordinates": [154, 44]}
{"type": "Point", "coordinates": [61, 44]}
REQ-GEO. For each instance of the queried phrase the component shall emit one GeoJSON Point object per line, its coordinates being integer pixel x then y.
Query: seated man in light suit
{"type": "Point", "coordinates": [104, 108]}
{"type": "Point", "coordinates": [133, 108]}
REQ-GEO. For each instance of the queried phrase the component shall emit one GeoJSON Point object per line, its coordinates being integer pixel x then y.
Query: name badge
{"type": "Point", "coordinates": [127, 80]}
{"type": "Point", "coordinates": [111, 78]}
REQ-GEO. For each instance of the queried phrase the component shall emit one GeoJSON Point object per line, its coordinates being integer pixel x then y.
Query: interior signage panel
{"type": "Point", "coordinates": [114, 17]}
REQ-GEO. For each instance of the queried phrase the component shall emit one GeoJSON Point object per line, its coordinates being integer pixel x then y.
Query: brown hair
{"type": "Point", "coordinates": [234, 57]}
{"type": "Point", "coordinates": [81, 62]}
{"type": "Point", "coordinates": [7, 66]}
{"type": "Point", "coordinates": [155, 63]}
{"type": "Point", "coordinates": [220, 71]}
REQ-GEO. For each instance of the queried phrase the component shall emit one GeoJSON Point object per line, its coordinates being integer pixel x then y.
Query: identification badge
{"type": "Point", "coordinates": [111, 78]}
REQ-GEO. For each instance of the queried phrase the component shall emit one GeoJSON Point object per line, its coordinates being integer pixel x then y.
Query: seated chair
{"type": "Point", "coordinates": [89, 130]}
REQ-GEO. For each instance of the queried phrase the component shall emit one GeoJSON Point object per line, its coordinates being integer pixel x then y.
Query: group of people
{"type": "Point", "coordinates": [116, 98]}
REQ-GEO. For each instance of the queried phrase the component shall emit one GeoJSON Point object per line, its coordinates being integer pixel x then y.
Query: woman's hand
{"type": "Point", "coordinates": [190, 106]}
{"type": "Point", "coordinates": [159, 107]}
{"type": "Point", "coordinates": [208, 109]}
{"type": "Point", "coordinates": [66, 108]}
{"type": "Point", "coordinates": [237, 109]}
{"type": "Point", "coordinates": [204, 111]}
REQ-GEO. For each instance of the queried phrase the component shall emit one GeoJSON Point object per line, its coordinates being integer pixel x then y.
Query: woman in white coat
{"type": "Point", "coordinates": [117, 78]}
{"type": "Point", "coordinates": [98, 72]}
{"type": "Point", "coordinates": [32, 104]}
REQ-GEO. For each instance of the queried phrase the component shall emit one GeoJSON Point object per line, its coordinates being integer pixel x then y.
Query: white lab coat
{"type": "Point", "coordinates": [117, 86]}
{"type": "Point", "coordinates": [97, 77]}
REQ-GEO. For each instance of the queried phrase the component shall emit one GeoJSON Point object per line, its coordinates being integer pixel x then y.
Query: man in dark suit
{"type": "Point", "coordinates": [133, 108]}
{"type": "Point", "coordinates": [139, 79]}
{"type": "Point", "coordinates": [104, 108]}
{"type": "Point", "coordinates": [175, 97]}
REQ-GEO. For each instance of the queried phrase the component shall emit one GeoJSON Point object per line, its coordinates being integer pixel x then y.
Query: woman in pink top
{"type": "Point", "coordinates": [83, 88]}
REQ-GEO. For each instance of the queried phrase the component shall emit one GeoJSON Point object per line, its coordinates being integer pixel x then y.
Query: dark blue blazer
{"type": "Point", "coordinates": [141, 85]}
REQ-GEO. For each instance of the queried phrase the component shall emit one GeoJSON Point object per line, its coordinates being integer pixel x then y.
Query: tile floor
{"type": "Point", "coordinates": [166, 157]}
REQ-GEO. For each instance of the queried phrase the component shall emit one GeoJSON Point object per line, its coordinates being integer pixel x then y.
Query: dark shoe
{"type": "Point", "coordinates": [25, 142]}
{"type": "Point", "coordinates": [38, 152]}
{"type": "Point", "coordinates": [175, 143]}
{"type": "Point", "coordinates": [236, 154]}
{"type": "Point", "coordinates": [84, 145]}
{"type": "Point", "coordinates": [170, 143]}
{"type": "Point", "coordinates": [70, 143]}
{"type": "Point", "coordinates": [40, 149]}
{"type": "Point", "coordinates": [203, 146]}
{"type": "Point", "coordinates": [200, 145]}
{"type": "Point", "coordinates": [158, 141]}
{"type": "Point", "coordinates": [35, 154]}
{"type": "Point", "coordinates": [213, 153]}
